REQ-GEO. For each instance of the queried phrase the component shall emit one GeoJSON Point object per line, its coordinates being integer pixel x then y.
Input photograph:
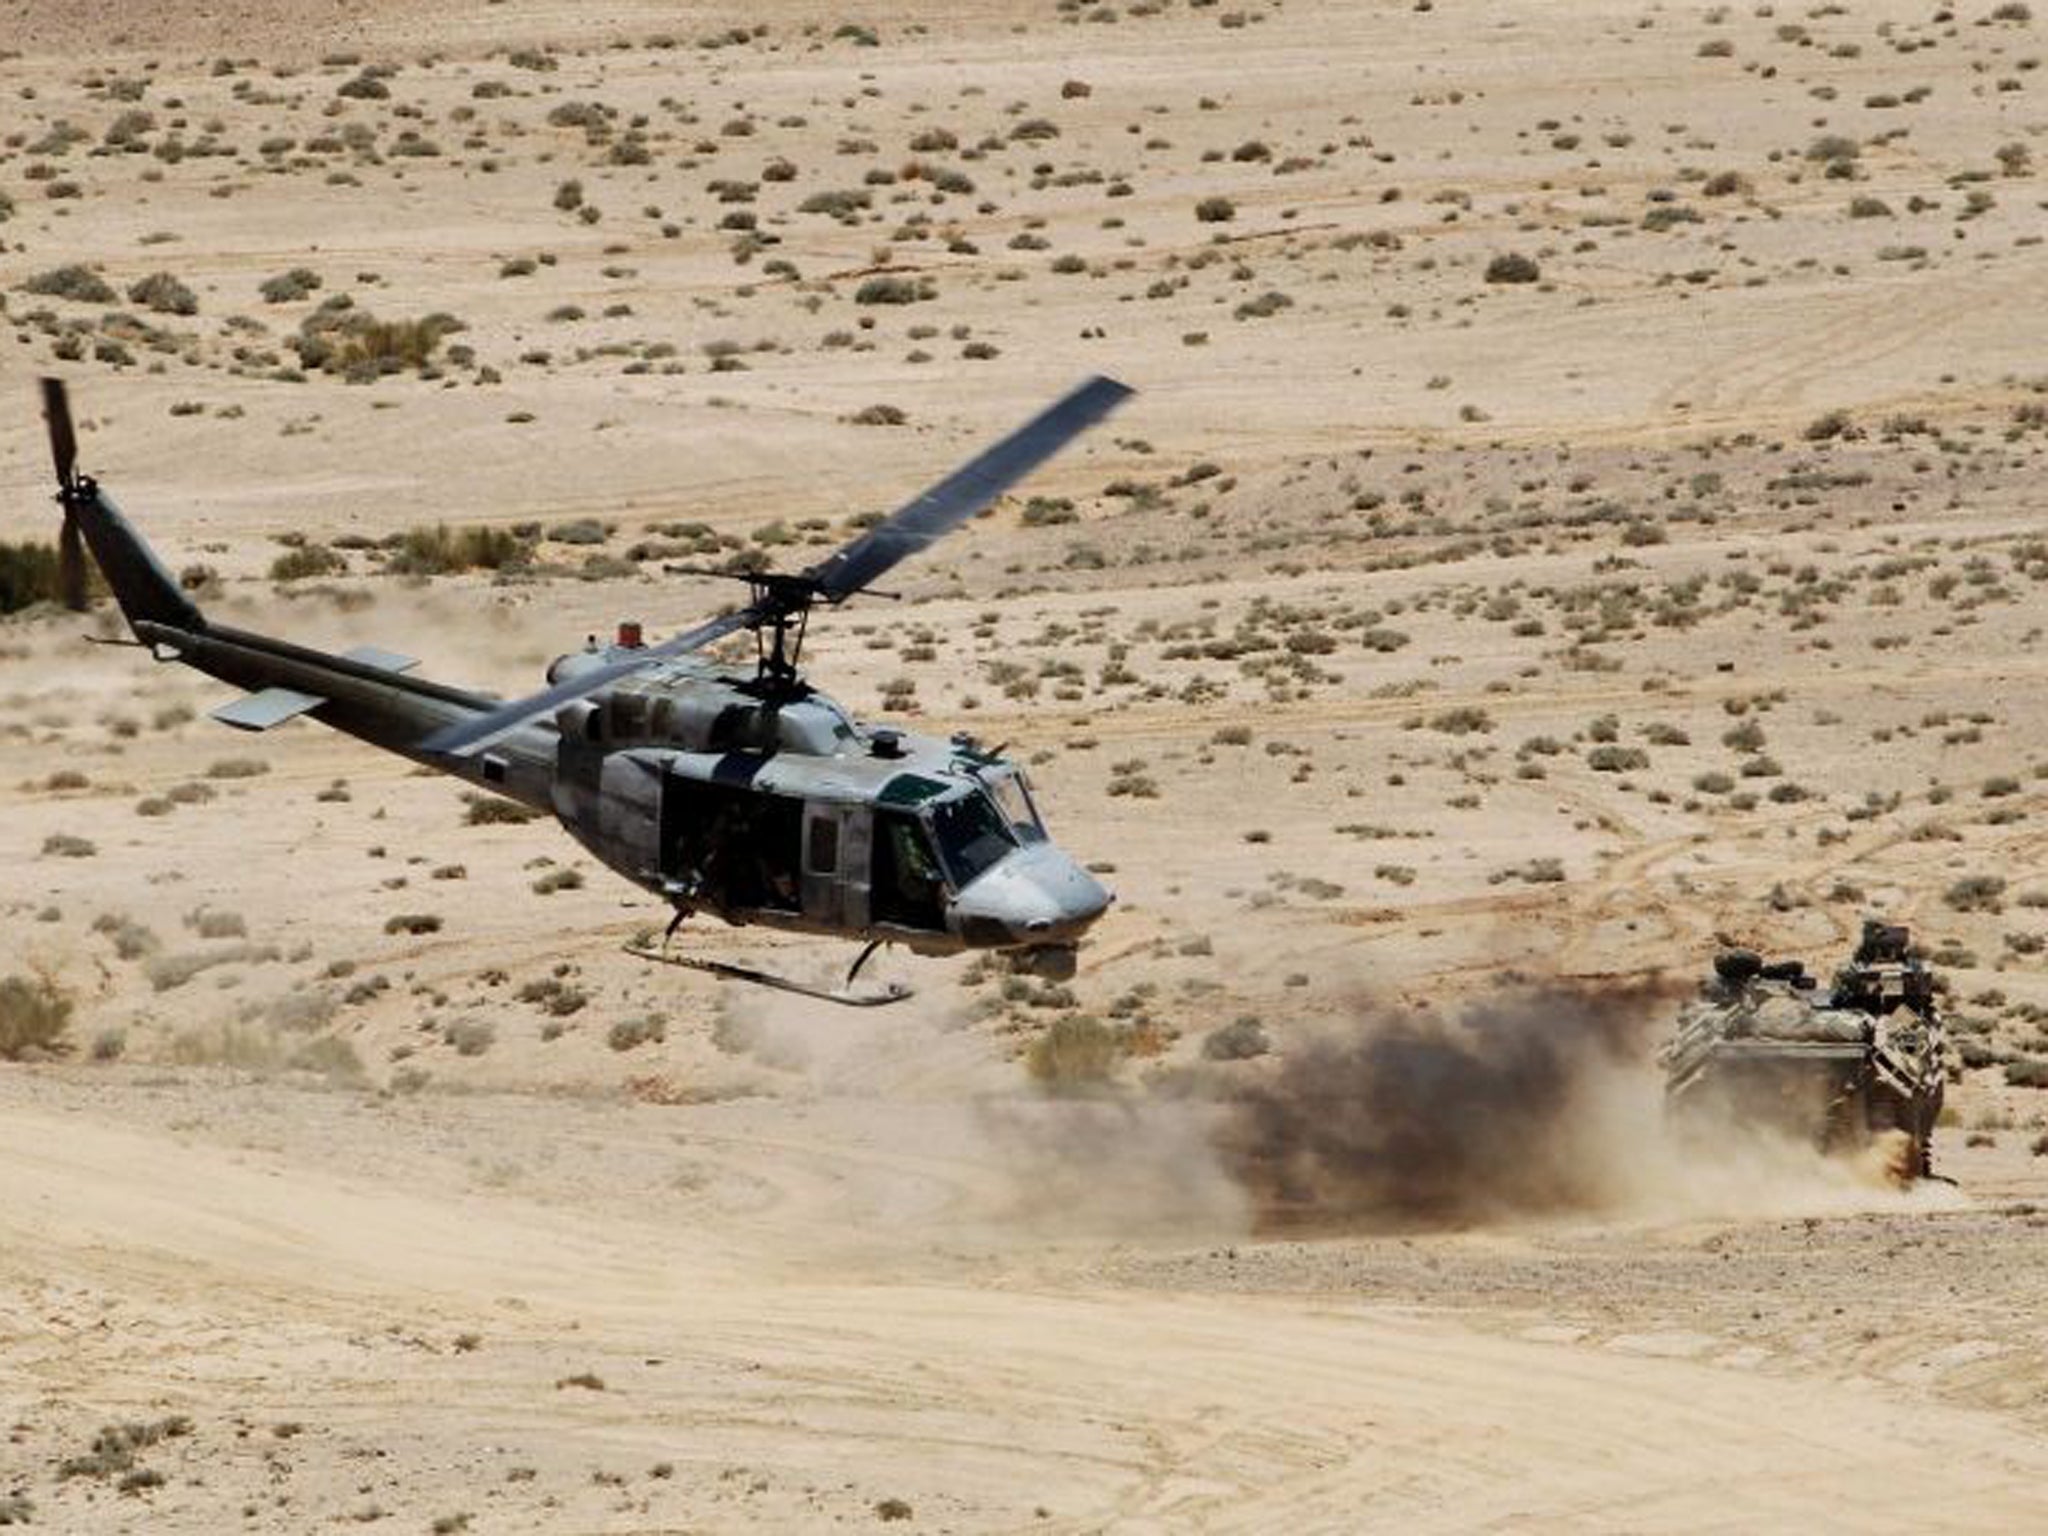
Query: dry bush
{"type": "Point", "coordinates": [441, 550]}
{"type": "Point", "coordinates": [28, 574]}
{"type": "Point", "coordinates": [78, 283]}
{"type": "Point", "coordinates": [489, 810]}
{"type": "Point", "coordinates": [358, 346]}
{"type": "Point", "coordinates": [628, 1033]}
{"type": "Point", "coordinates": [306, 562]}
{"type": "Point", "coordinates": [1240, 1040]}
{"type": "Point", "coordinates": [35, 1014]}
{"type": "Point", "coordinates": [167, 973]}
{"type": "Point", "coordinates": [1075, 1052]}
{"type": "Point", "coordinates": [165, 294]}
{"type": "Point", "coordinates": [260, 1048]}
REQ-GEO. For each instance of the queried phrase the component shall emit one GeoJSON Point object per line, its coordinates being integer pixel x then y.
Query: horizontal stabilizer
{"type": "Point", "coordinates": [383, 660]}
{"type": "Point", "coordinates": [272, 706]}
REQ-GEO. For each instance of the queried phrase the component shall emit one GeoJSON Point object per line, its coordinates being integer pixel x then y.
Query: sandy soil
{"type": "Point", "coordinates": [1418, 636]}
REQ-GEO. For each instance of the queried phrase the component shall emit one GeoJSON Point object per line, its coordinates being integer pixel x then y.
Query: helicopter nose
{"type": "Point", "coordinates": [1037, 894]}
{"type": "Point", "coordinates": [1075, 897]}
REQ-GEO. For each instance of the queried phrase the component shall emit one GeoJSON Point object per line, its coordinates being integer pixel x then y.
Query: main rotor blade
{"type": "Point", "coordinates": [470, 736]}
{"type": "Point", "coordinates": [63, 440]}
{"type": "Point", "coordinates": [918, 524]}
{"type": "Point", "coordinates": [913, 527]}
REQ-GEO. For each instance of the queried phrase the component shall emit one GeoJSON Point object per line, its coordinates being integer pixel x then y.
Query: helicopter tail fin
{"type": "Point", "coordinates": [140, 584]}
{"type": "Point", "coordinates": [146, 591]}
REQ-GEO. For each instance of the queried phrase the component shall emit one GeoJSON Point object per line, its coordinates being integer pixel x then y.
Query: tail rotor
{"type": "Point", "coordinates": [73, 489]}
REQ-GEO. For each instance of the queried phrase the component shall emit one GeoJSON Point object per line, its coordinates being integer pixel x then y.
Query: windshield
{"type": "Point", "coordinates": [972, 835]}
{"type": "Point", "coordinates": [1014, 801]}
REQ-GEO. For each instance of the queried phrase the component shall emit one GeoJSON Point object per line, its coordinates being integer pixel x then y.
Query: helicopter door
{"type": "Point", "coordinates": [827, 862]}
{"type": "Point", "coordinates": [905, 887]}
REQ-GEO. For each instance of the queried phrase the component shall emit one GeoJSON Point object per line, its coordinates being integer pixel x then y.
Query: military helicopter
{"type": "Point", "coordinates": [738, 792]}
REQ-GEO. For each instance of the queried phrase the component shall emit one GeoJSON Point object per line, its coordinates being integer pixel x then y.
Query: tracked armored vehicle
{"type": "Point", "coordinates": [1843, 1066]}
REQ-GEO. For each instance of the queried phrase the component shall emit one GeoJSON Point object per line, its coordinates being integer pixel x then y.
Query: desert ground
{"type": "Point", "coordinates": [1580, 508]}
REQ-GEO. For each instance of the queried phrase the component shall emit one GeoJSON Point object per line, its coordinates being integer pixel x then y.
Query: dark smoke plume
{"type": "Point", "coordinates": [1410, 1120]}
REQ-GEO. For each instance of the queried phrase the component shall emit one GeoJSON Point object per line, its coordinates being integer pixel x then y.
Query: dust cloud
{"type": "Point", "coordinates": [1538, 1102]}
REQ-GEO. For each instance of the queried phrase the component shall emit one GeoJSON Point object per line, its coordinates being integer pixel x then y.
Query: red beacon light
{"type": "Point", "coordinates": [630, 637]}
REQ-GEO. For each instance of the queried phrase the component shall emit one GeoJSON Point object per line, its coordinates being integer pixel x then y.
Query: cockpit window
{"type": "Point", "coordinates": [972, 835]}
{"type": "Point", "coordinates": [1014, 801]}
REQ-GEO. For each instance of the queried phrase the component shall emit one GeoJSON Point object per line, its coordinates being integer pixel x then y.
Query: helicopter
{"type": "Point", "coordinates": [741, 793]}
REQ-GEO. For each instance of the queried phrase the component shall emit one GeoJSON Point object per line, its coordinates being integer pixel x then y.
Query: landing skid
{"type": "Point", "coordinates": [844, 994]}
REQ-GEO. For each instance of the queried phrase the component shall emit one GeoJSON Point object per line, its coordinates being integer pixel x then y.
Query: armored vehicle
{"type": "Point", "coordinates": [1843, 1066]}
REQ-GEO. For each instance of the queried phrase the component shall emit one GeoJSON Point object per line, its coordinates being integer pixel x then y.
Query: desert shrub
{"type": "Point", "coordinates": [212, 923]}
{"type": "Point", "coordinates": [1461, 721]}
{"type": "Point", "coordinates": [358, 346]}
{"type": "Point", "coordinates": [114, 1447]}
{"type": "Point", "coordinates": [2027, 1072]}
{"type": "Point", "coordinates": [329, 1056]}
{"type": "Point", "coordinates": [1617, 759]}
{"type": "Point", "coordinates": [1511, 267]}
{"type": "Point", "coordinates": [258, 1048]}
{"type": "Point", "coordinates": [1240, 1040]}
{"type": "Point", "coordinates": [78, 283]}
{"type": "Point", "coordinates": [470, 1037]}
{"type": "Point", "coordinates": [35, 1013]}
{"type": "Point", "coordinates": [628, 1033]}
{"type": "Point", "coordinates": [132, 940]}
{"type": "Point", "coordinates": [441, 550]}
{"type": "Point", "coordinates": [878, 416]}
{"type": "Point", "coordinates": [1975, 893]}
{"type": "Point", "coordinates": [489, 810]}
{"type": "Point", "coordinates": [66, 845]}
{"type": "Point", "coordinates": [306, 562]}
{"type": "Point", "coordinates": [289, 287]}
{"type": "Point", "coordinates": [1215, 210]}
{"type": "Point", "coordinates": [1046, 511]}
{"type": "Point", "coordinates": [893, 290]}
{"type": "Point", "coordinates": [163, 293]}
{"type": "Point", "coordinates": [1264, 307]}
{"type": "Point", "coordinates": [412, 922]}
{"type": "Point", "coordinates": [1074, 1052]}
{"type": "Point", "coordinates": [167, 973]}
{"type": "Point", "coordinates": [558, 880]}
{"type": "Point", "coordinates": [838, 204]}
{"type": "Point", "coordinates": [28, 574]}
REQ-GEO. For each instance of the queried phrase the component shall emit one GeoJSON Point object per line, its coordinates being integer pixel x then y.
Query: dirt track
{"type": "Point", "coordinates": [790, 1371]}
